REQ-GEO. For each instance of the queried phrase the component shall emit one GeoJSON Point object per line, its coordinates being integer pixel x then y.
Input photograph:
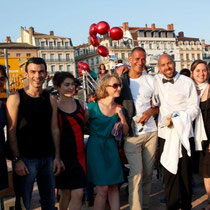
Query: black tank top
{"type": "Point", "coordinates": [34, 137]}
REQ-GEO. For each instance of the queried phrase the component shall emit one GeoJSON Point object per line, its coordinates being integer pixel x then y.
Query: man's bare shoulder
{"type": "Point", "coordinates": [13, 97]}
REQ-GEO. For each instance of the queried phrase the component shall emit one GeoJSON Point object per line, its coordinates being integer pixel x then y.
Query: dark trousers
{"type": "Point", "coordinates": [178, 187]}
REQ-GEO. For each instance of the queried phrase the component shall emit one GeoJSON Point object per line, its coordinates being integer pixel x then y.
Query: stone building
{"type": "Point", "coordinates": [56, 50]}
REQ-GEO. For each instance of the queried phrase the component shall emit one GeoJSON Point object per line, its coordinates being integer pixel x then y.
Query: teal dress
{"type": "Point", "coordinates": [103, 162]}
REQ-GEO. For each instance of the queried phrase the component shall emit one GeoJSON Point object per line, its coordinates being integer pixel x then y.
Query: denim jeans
{"type": "Point", "coordinates": [40, 170]}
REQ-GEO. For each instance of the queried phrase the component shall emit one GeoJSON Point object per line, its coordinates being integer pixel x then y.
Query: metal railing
{"type": "Point", "coordinates": [88, 83]}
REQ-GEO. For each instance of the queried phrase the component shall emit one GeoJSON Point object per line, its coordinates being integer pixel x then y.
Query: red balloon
{"type": "Point", "coordinates": [116, 33]}
{"type": "Point", "coordinates": [80, 72]}
{"type": "Point", "coordinates": [102, 28]}
{"type": "Point", "coordinates": [94, 40]}
{"type": "Point", "coordinates": [93, 30]}
{"type": "Point", "coordinates": [103, 51]}
{"type": "Point", "coordinates": [85, 67]}
{"type": "Point", "coordinates": [79, 64]}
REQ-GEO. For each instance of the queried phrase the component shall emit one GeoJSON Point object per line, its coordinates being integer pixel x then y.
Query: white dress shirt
{"type": "Point", "coordinates": [181, 101]}
{"type": "Point", "coordinates": [142, 90]}
{"type": "Point", "coordinates": [180, 96]}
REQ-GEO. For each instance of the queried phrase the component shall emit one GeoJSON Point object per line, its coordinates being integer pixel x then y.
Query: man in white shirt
{"type": "Point", "coordinates": [140, 145]}
{"type": "Point", "coordinates": [178, 102]}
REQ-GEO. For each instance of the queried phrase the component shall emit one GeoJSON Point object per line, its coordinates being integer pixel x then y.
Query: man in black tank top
{"type": "Point", "coordinates": [33, 134]}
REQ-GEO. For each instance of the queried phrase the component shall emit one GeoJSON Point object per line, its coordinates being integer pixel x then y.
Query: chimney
{"type": "Point", "coordinates": [31, 33]}
{"type": "Point", "coordinates": [51, 33]}
{"type": "Point", "coordinates": [172, 26]}
{"type": "Point", "coordinates": [181, 34]}
{"type": "Point", "coordinates": [153, 26]}
{"type": "Point", "coordinates": [8, 39]}
{"type": "Point", "coordinates": [125, 26]}
{"type": "Point", "coordinates": [203, 41]}
{"type": "Point", "coordinates": [146, 26]}
{"type": "Point", "coordinates": [169, 27]}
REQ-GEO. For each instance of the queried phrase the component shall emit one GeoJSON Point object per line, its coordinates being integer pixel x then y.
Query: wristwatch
{"type": "Point", "coordinates": [15, 159]}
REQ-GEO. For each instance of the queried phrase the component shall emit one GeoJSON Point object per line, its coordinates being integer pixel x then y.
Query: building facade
{"type": "Point", "coordinates": [57, 51]}
{"type": "Point", "coordinates": [206, 51]}
{"type": "Point", "coordinates": [15, 49]}
{"type": "Point", "coordinates": [190, 49]}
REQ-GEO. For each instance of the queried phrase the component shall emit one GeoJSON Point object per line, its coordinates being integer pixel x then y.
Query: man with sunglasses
{"type": "Point", "coordinates": [34, 138]}
{"type": "Point", "coordinates": [140, 145]}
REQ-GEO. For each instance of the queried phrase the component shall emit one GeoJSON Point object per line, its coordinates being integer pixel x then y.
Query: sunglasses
{"type": "Point", "coordinates": [115, 85]}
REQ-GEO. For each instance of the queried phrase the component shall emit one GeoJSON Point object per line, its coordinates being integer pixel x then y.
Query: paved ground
{"type": "Point", "coordinates": [199, 197]}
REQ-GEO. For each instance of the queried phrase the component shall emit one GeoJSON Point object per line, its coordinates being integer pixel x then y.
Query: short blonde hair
{"type": "Point", "coordinates": [102, 84]}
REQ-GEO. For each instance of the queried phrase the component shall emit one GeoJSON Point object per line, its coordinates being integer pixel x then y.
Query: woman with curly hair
{"type": "Point", "coordinates": [103, 162]}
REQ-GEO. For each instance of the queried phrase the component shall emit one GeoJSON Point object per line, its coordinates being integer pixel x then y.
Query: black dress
{"type": "Point", "coordinates": [72, 149]}
{"type": "Point", "coordinates": [205, 157]}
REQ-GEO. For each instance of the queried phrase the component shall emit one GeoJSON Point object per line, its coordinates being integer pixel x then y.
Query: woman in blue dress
{"type": "Point", "coordinates": [103, 162]}
{"type": "Point", "coordinates": [3, 165]}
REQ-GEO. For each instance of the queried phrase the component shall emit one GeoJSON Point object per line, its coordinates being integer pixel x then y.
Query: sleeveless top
{"type": "Point", "coordinates": [34, 137]}
{"type": "Point", "coordinates": [72, 137]}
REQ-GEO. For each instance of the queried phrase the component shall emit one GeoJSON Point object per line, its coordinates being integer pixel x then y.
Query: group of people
{"type": "Point", "coordinates": [46, 134]}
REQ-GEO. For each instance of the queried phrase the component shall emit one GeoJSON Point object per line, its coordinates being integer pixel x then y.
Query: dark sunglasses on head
{"type": "Point", "coordinates": [115, 85]}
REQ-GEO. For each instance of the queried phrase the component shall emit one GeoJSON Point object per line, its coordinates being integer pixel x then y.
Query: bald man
{"type": "Point", "coordinates": [178, 103]}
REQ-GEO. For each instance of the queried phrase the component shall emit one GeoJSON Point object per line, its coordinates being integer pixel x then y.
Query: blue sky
{"type": "Point", "coordinates": [72, 18]}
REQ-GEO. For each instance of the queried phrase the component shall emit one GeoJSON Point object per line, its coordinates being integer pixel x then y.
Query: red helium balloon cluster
{"type": "Point", "coordinates": [102, 28]}
{"type": "Point", "coordinates": [82, 66]}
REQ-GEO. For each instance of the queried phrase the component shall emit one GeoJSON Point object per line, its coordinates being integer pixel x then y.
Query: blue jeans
{"type": "Point", "coordinates": [40, 170]}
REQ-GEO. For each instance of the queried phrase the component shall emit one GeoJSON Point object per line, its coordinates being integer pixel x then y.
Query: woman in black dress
{"type": "Point", "coordinates": [199, 71]}
{"type": "Point", "coordinates": [71, 123]}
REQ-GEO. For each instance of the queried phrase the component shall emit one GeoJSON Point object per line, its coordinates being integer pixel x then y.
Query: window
{"type": "Point", "coordinates": [50, 45]}
{"type": "Point", "coordinates": [60, 67]}
{"type": "Point", "coordinates": [68, 57]}
{"type": "Point", "coordinates": [92, 61]}
{"type": "Point", "coordinates": [59, 57]}
{"type": "Point", "coordinates": [116, 54]}
{"type": "Point", "coordinates": [51, 57]}
{"type": "Point", "coordinates": [150, 45]}
{"type": "Point", "coordinates": [52, 68]}
{"type": "Point", "coordinates": [17, 54]}
{"type": "Point", "coordinates": [198, 56]}
{"type": "Point", "coordinates": [165, 47]}
{"type": "Point", "coordinates": [42, 44]}
{"type": "Point", "coordinates": [59, 45]}
{"type": "Point", "coordinates": [142, 45]}
{"type": "Point", "coordinates": [97, 60]}
{"type": "Point", "coordinates": [44, 56]}
{"type": "Point", "coordinates": [68, 67]}
{"type": "Point", "coordinates": [123, 55]}
{"type": "Point", "coordinates": [28, 54]}
{"type": "Point", "coordinates": [66, 44]}
{"type": "Point", "coordinates": [187, 57]}
{"type": "Point", "coordinates": [193, 56]}
{"type": "Point", "coordinates": [181, 57]}
{"type": "Point", "coordinates": [158, 45]}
